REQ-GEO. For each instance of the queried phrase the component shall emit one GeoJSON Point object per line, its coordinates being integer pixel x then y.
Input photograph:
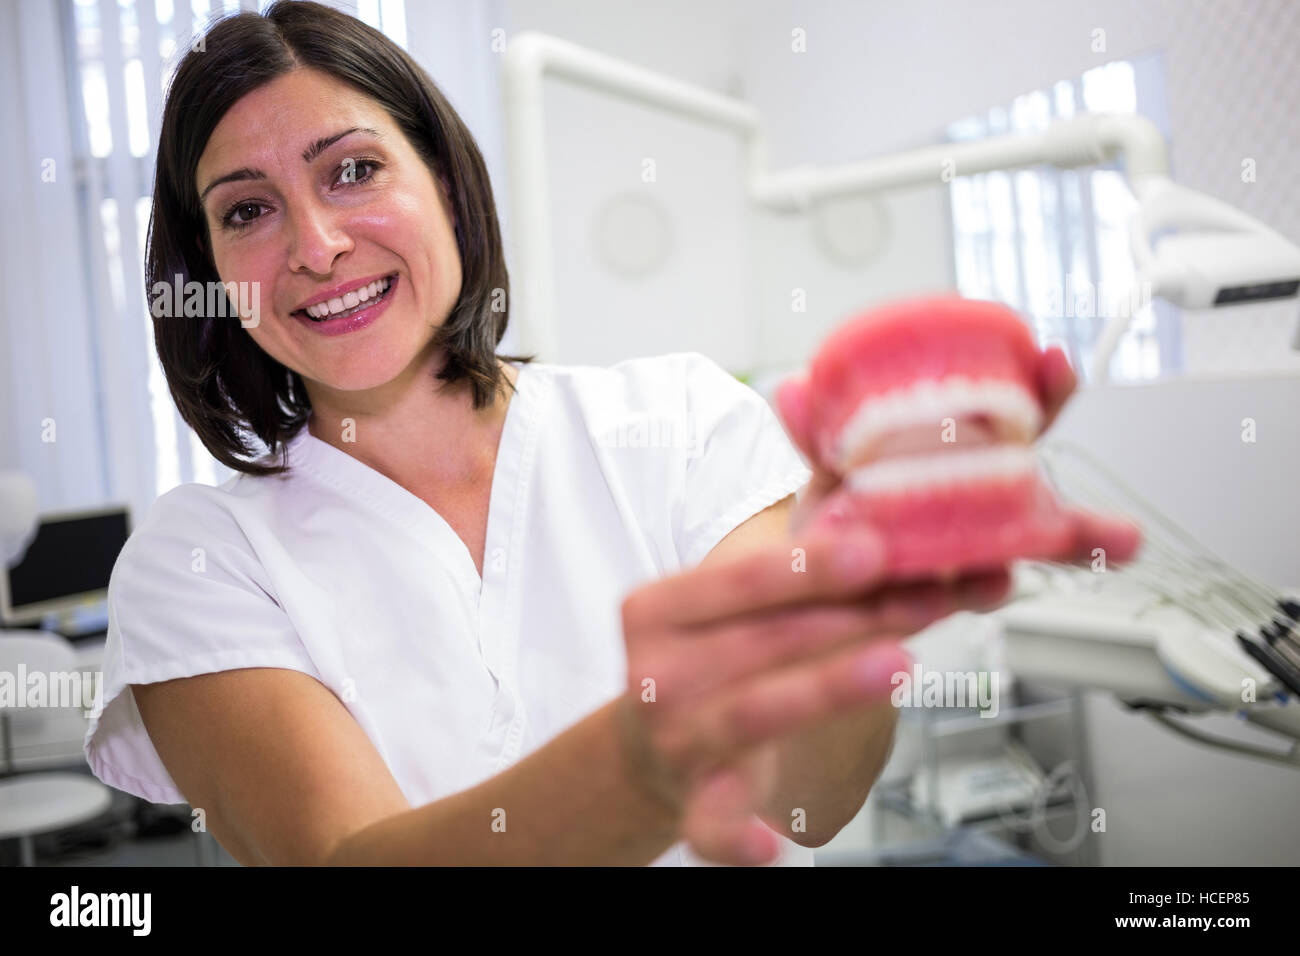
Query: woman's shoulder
{"type": "Point", "coordinates": [665, 363]}
{"type": "Point", "coordinates": [644, 383]}
{"type": "Point", "coordinates": [680, 402]}
{"type": "Point", "coordinates": [194, 503]}
{"type": "Point", "coordinates": [187, 516]}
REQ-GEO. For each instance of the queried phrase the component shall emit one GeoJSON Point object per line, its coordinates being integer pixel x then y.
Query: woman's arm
{"type": "Point", "coordinates": [286, 776]}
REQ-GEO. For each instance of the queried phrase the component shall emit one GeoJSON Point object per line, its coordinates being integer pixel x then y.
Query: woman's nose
{"type": "Point", "coordinates": [318, 236]}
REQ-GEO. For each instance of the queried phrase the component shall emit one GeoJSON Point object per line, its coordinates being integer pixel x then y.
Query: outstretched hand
{"type": "Point", "coordinates": [718, 818]}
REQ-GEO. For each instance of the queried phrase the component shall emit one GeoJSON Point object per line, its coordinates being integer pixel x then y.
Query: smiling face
{"type": "Point", "coordinates": [365, 206]}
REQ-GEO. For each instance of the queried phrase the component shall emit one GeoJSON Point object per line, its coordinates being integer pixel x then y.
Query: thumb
{"type": "Point", "coordinates": [1056, 382]}
{"type": "Point", "coordinates": [792, 406]}
{"type": "Point", "coordinates": [719, 823]}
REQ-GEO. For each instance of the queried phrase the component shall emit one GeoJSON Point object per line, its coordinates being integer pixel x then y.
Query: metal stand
{"type": "Point", "coordinates": [935, 724]}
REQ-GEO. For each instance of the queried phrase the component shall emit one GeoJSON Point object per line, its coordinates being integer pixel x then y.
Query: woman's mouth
{"type": "Point", "coordinates": [350, 304]}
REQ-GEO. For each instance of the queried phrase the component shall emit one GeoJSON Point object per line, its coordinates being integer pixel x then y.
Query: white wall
{"type": "Point", "coordinates": [595, 150]}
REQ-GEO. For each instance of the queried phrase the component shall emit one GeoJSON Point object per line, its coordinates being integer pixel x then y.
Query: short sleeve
{"type": "Point", "coordinates": [740, 462]}
{"type": "Point", "coordinates": [187, 596]}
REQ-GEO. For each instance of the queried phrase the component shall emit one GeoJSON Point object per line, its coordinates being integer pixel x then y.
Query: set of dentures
{"type": "Point", "coordinates": [927, 410]}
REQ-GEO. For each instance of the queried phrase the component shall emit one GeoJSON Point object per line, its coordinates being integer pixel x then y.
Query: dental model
{"type": "Point", "coordinates": [926, 410]}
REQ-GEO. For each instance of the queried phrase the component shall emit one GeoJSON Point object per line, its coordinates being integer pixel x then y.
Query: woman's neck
{"type": "Point", "coordinates": [419, 436]}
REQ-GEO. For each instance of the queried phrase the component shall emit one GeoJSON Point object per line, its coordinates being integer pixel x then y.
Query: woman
{"type": "Point", "coordinates": [394, 639]}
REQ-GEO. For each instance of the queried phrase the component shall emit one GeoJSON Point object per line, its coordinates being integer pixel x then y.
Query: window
{"type": "Point", "coordinates": [123, 53]}
{"type": "Point", "coordinates": [1053, 243]}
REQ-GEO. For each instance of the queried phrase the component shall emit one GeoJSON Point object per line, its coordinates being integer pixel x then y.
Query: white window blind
{"type": "Point", "coordinates": [1053, 243]}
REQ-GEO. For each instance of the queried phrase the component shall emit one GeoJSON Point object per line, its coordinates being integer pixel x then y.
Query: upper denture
{"type": "Point", "coordinates": [923, 365]}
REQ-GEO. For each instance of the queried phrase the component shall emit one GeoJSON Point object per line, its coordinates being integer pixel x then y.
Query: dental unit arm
{"type": "Point", "coordinates": [1223, 257]}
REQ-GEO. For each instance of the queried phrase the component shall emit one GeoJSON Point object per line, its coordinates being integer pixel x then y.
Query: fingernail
{"type": "Point", "coordinates": [876, 669]}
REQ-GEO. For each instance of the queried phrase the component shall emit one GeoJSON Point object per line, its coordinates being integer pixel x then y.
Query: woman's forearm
{"type": "Point", "coordinates": [574, 801]}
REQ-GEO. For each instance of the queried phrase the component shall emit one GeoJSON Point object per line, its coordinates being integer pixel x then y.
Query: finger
{"type": "Point", "coordinates": [794, 410]}
{"type": "Point", "coordinates": [825, 567]}
{"type": "Point", "coordinates": [1114, 538]}
{"type": "Point", "coordinates": [1056, 382]}
{"type": "Point", "coordinates": [719, 825]}
{"type": "Point", "coordinates": [780, 637]}
{"type": "Point", "coordinates": [753, 644]}
{"type": "Point", "coordinates": [791, 700]}
{"type": "Point", "coordinates": [905, 608]}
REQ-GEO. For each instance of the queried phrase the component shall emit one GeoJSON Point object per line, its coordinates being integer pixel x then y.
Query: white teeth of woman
{"type": "Point", "coordinates": [349, 300]}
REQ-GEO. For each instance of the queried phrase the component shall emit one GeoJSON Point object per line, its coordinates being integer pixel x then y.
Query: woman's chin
{"type": "Point", "coordinates": [360, 377]}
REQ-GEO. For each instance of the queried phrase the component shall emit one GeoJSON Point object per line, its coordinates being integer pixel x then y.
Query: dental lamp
{"type": "Point", "coordinates": [1221, 257]}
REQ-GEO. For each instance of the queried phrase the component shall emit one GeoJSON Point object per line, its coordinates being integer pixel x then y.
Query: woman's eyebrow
{"type": "Point", "coordinates": [308, 154]}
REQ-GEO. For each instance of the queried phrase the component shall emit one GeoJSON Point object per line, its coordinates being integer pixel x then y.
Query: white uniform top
{"type": "Point", "coordinates": [605, 479]}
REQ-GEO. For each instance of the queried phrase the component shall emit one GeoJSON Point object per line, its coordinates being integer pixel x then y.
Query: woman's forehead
{"type": "Point", "coordinates": [291, 112]}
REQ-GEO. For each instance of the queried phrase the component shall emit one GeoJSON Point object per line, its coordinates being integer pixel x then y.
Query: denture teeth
{"type": "Point", "coordinates": [998, 462]}
{"type": "Point", "coordinates": [929, 402]}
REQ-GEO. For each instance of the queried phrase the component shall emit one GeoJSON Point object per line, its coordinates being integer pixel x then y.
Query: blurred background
{"type": "Point", "coordinates": [657, 247]}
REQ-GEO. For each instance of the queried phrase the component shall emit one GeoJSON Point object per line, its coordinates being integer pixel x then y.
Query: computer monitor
{"type": "Point", "coordinates": [66, 567]}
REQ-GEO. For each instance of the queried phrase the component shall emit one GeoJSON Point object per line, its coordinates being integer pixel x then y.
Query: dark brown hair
{"type": "Point", "coordinates": [223, 383]}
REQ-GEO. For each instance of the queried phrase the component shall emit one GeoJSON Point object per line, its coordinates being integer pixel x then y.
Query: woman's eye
{"type": "Point", "coordinates": [230, 218]}
{"type": "Point", "coordinates": [351, 172]}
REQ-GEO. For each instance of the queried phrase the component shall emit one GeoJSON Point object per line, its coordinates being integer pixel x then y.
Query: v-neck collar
{"type": "Point", "coordinates": [336, 467]}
